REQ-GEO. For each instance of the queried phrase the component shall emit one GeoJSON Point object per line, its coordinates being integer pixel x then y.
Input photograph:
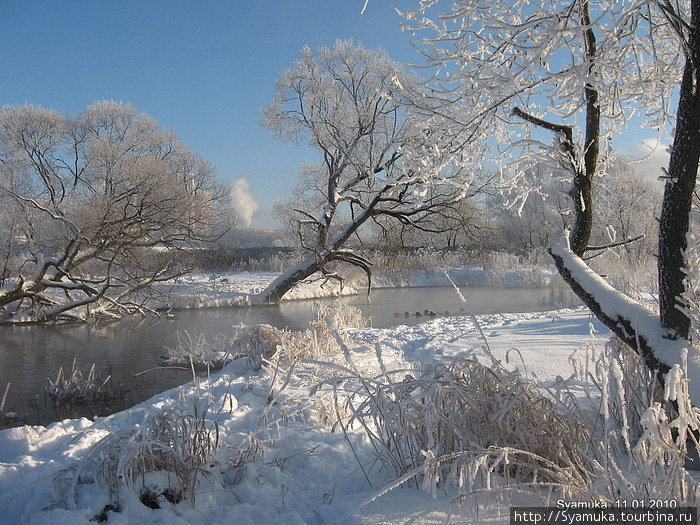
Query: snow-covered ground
{"type": "Point", "coordinates": [199, 290]}
{"type": "Point", "coordinates": [303, 472]}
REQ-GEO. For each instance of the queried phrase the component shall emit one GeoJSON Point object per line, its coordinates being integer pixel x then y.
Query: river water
{"type": "Point", "coordinates": [31, 354]}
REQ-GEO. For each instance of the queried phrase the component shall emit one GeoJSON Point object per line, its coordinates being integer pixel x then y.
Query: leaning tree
{"type": "Point", "coordinates": [374, 166]}
{"type": "Point", "coordinates": [554, 82]}
{"type": "Point", "coordinates": [97, 209]}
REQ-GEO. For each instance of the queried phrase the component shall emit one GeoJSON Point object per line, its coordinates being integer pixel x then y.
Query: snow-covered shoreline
{"type": "Point", "coordinates": [211, 290]}
{"type": "Point", "coordinates": [321, 482]}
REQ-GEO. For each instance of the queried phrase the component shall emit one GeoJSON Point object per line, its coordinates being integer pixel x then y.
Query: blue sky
{"type": "Point", "coordinates": [203, 68]}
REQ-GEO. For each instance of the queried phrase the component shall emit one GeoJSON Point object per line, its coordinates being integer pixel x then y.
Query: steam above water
{"type": "Point", "coordinates": [244, 204]}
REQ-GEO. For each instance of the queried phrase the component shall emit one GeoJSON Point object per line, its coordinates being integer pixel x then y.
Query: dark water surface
{"type": "Point", "coordinates": [31, 354]}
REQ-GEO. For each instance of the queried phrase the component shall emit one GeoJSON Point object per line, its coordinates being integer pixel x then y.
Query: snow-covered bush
{"type": "Point", "coordinates": [199, 353]}
{"type": "Point", "coordinates": [164, 459]}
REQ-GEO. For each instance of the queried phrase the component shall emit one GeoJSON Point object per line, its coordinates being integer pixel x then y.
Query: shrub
{"type": "Point", "coordinates": [166, 458]}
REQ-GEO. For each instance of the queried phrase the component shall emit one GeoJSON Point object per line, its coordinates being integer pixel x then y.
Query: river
{"type": "Point", "coordinates": [31, 354]}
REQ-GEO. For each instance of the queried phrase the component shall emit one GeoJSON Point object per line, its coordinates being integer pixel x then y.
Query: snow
{"type": "Point", "coordinates": [308, 473]}
{"type": "Point", "coordinates": [208, 290]}
{"type": "Point", "coordinates": [617, 305]}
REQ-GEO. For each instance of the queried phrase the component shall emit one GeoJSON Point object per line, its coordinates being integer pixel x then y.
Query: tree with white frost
{"type": "Point", "coordinates": [98, 207]}
{"type": "Point", "coordinates": [530, 225]}
{"type": "Point", "coordinates": [374, 163]}
{"type": "Point", "coordinates": [465, 224]}
{"type": "Point", "coordinates": [627, 204]}
{"type": "Point", "coordinates": [554, 82]}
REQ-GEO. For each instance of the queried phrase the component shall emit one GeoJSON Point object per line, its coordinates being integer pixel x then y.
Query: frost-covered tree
{"type": "Point", "coordinates": [530, 225]}
{"type": "Point", "coordinates": [553, 82]}
{"type": "Point", "coordinates": [627, 205]}
{"type": "Point", "coordinates": [464, 224]}
{"type": "Point", "coordinates": [374, 162]}
{"type": "Point", "coordinates": [97, 208]}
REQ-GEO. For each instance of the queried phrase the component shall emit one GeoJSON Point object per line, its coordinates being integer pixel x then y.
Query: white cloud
{"type": "Point", "coordinates": [649, 157]}
{"type": "Point", "coordinates": [244, 204]}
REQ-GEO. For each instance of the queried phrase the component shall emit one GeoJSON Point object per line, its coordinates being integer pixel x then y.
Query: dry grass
{"type": "Point", "coordinates": [469, 428]}
{"type": "Point", "coordinates": [282, 351]}
{"type": "Point", "coordinates": [178, 443]}
{"type": "Point", "coordinates": [466, 424]}
{"type": "Point", "coordinates": [198, 352]}
{"type": "Point", "coordinates": [258, 344]}
{"type": "Point", "coordinates": [75, 388]}
{"type": "Point", "coordinates": [264, 343]}
{"type": "Point", "coordinates": [4, 398]}
{"type": "Point", "coordinates": [646, 433]}
{"type": "Point", "coordinates": [9, 416]}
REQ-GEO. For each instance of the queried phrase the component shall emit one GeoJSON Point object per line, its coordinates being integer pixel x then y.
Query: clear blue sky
{"type": "Point", "coordinates": [203, 68]}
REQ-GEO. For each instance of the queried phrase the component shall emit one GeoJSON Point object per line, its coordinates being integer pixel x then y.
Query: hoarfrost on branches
{"type": "Point", "coordinates": [99, 207]}
{"type": "Point", "coordinates": [550, 84]}
{"type": "Point", "coordinates": [377, 163]}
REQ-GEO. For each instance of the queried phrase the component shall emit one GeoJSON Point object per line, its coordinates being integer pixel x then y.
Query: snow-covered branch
{"type": "Point", "coordinates": [631, 321]}
{"type": "Point", "coordinates": [376, 160]}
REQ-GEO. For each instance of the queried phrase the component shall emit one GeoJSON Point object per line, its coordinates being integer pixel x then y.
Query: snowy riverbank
{"type": "Point", "coordinates": [304, 472]}
{"type": "Point", "coordinates": [205, 290]}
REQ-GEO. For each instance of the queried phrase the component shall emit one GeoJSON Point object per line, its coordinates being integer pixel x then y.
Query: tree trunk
{"type": "Point", "coordinates": [583, 180]}
{"type": "Point", "coordinates": [673, 326]}
{"type": "Point", "coordinates": [285, 282]}
{"type": "Point", "coordinates": [682, 172]}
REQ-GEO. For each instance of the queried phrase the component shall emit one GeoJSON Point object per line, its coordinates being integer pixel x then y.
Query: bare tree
{"type": "Point", "coordinates": [577, 71]}
{"type": "Point", "coordinates": [106, 205]}
{"type": "Point", "coordinates": [374, 167]}
{"type": "Point", "coordinates": [465, 223]}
